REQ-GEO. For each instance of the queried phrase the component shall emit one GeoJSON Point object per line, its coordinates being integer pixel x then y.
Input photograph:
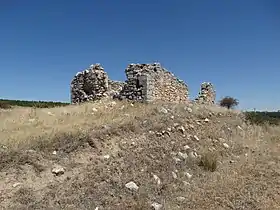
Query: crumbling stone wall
{"type": "Point", "coordinates": [114, 87]}
{"type": "Point", "coordinates": [151, 82]}
{"type": "Point", "coordinates": [90, 84]}
{"type": "Point", "coordinates": [145, 82]}
{"type": "Point", "coordinates": [207, 94]}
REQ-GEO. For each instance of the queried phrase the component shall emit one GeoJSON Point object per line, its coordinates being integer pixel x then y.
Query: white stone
{"type": "Point", "coordinates": [113, 103]}
{"type": "Point", "coordinates": [183, 155]}
{"type": "Point", "coordinates": [58, 170]}
{"type": "Point", "coordinates": [163, 110]}
{"type": "Point", "coordinates": [174, 175]}
{"type": "Point", "coordinates": [51, 114]}
{"type": "Point", "coordinates": [177, 160]}
{"type": "Point", "coordinates": [193, 154]}
{"type": "Point", "coordinates": [132, 186]}
{"type": "Point", "coordinates": [94, 109]}
{"type": "Point", "coordinates": [180, 199]}
{"type": "Point", "coordinates": [186, 183]}
{"type": "Point", "coordinates": [226, 145]}
{"type": "Point", "coordinates": [186, 147]}
{"type": "Point", "coordinates": [157, 179]}
{"type": "Point", "coordinates": [106, 156]}
{"type": "Point", "coordinates": [54, 152]}
{"type": "Point", "coordinates": [16, 184]}
{"type": "Point", "coordinates": [206, 120]}
{"type": "Point", "coordinates": [181, 129]}
{"type": "Point", "coordinates": [196, 138]}
{"type": "Point", "coordinates": [156, 206]}
{"type": "Point", "coordinates": [239, 127]}
{"type": "Point", "coordinates": [188, 175]}
{"type": "Point", "coordinates": [189, 110]}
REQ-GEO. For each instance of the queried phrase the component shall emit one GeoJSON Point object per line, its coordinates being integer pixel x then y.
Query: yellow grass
{"type": "Point", "coordinates": [243, 176]}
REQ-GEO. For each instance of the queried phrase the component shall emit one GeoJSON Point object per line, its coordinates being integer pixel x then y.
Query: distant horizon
{"type": "Point", "coordinates": [216, 102]}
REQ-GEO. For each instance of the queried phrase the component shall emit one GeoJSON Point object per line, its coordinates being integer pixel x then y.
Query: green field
{"type": "Point", "coordinates": [5, 103]}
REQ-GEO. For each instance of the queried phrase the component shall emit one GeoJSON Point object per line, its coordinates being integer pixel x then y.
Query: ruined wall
{"type": "Point", "coordinates": [145, 82]}
{"type": "Point", "coordinates": [90, 84]}
{"type": "Point", "coordinates": [151, 82]}
{"type": "Point", "coordinates": [114, 87]}
{"type": "Point", "coordinates": [207, 94]}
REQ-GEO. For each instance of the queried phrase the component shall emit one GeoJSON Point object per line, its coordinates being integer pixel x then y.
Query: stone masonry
{"type": "Point", "coordinates": [145, 83]}
{"type": "Point", "coordinates": [114, 88]}
{"type": "Point", "coordinates": [207, 94]}
{"type": "Point", "coordinates": [151, 82]}
{"type": "Point", "coordinates": [90, 84]}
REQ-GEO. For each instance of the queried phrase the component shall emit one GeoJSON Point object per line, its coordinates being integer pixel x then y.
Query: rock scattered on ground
{"type": "Point", "coordinates": [132, 186]}
{"type": "Point", "coordinates": [58, 170]}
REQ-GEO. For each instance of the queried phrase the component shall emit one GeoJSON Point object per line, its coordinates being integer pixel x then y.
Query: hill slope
{"type": "Point", "coordinates": [109, 155]}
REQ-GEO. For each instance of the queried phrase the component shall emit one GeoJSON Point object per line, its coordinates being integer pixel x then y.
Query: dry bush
{"type": "Point", "coordinates": [209, 161]}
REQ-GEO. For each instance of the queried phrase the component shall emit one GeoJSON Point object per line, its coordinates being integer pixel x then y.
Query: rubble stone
{"type": "Point", "coordinates": [90, 84]}
{"type": "Point", "coordinates": [151, 82]}
{"type": "Point", "coordinates": [145, 83]}
{"type": "Point", "coordinates": [207, 94]}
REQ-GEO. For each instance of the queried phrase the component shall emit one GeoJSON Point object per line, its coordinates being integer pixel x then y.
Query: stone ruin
{"type": "Point", "coordinates": [145, 83]}
{"type": "Point", "coordinates": [207, 94]}
{"type": "Point", "coordinates": [151, 82]}
{"type": "Point", "coordinates": [93, 84]}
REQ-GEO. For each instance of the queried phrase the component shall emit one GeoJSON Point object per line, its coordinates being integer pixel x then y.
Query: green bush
{"type": "Point", "coordinates": [4, 105]}
{"type": "Point", "coordinates": [262, 118]}
{"type": "Point", "coordinates": [37, 104]}
{"type": "Point", "coordinates": [229, 102]}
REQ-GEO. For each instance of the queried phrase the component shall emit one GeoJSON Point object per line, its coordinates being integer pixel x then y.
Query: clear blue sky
{"type": "Point", "coordinates": [234, 44]}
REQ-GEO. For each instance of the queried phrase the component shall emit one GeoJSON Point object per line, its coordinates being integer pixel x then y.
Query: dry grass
{"type": "Point", "coordinates": [141, 142]}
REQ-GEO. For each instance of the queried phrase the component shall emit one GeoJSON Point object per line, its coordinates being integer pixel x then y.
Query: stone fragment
{"type": "Point", "coordinates": [180, 198]}
{"type": "Point", "coordinates": [58, 170]}
{"type": "Point", "coordinates": [196, 138]}
{"type": "Point", "coordinates": [183, 155]}
{"type": "Point", "coordinates": [207, 94]}
{"type": "Point", "coordinates": [132, 186]}
{"type": "Point", "coordinates": [156, 206]}
{"type": "Point", "coordinates": [157, 179]}
{"type": "Point", "coordinates": [16, 184]}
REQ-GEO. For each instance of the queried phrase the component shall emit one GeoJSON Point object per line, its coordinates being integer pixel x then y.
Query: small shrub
{"type": "Point", "coordinates": [229, 102]}
{"type": "Point", "coordinates": [4, 105]}
{"type": "Point", "coordinates": [209, 161]}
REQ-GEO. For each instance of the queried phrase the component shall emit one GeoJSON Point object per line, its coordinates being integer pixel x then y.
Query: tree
{"type": "Point", "coordinates": [229, 102]}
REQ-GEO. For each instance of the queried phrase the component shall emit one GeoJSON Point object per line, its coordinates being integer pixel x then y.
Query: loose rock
{"type": "Point", "coordinates": [132, 186]}
{"type": "Point", "coordinates": [226, 145]}
{"type": "Point", "coordinates": [156, 206]}
{"type": "Point", "coordinates": [58, 170]}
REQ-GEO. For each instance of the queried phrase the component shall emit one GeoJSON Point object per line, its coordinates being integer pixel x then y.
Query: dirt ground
{"type": "Point", "coordinates": [117, 155]}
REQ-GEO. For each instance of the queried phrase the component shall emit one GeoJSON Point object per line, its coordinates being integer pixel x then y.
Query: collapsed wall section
{"type": "Point", "coordinates": [151, 82]}
{"type": "Point", "coordinates": [114, 87]}
{"type": "Point", "coordinates": [207, 94]}
{"type": "Point", "coordinates": [89, 85]}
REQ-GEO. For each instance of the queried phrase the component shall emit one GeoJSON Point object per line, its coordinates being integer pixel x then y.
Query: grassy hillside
{"type": "Point", "coordinates": [115, 155]}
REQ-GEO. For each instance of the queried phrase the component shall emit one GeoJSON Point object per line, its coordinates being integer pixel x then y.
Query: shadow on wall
{"type": "Point", "coordinates": [145, 83]}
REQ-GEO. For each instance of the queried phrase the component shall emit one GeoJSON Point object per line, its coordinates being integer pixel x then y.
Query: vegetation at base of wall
{"type": "Point", "coordinates": [7, 104]}
{"type": "Point", "coordinates": [262, 118]}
